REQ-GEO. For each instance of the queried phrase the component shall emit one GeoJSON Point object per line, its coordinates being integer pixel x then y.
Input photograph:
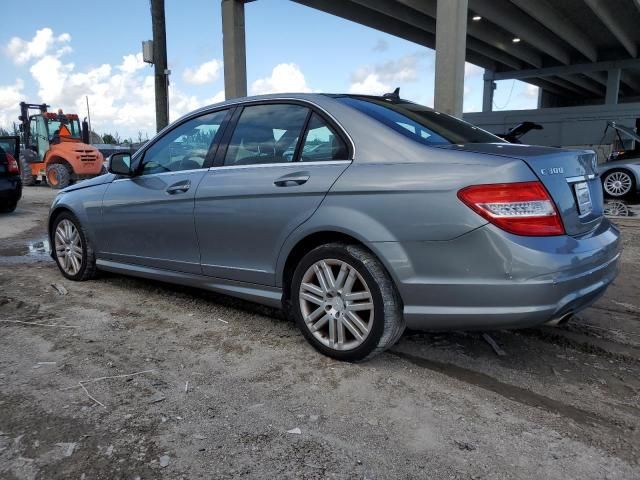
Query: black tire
{"type": "Point", "coordinates": [629, 175]}
{"type": "Point", "coordinates": [8, 207]}
{"type": "Point", "coordinates": [88, 269]}
{"type": "Point", "coordinates": [58, 176]}
{"type": "Point", "coordinates": [388, 321]}
{"type": "Point", "coordinates": [28, 180]}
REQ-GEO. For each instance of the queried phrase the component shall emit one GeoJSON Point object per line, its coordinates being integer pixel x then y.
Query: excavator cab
{"type": "Point", "coordinates": [56, 147]}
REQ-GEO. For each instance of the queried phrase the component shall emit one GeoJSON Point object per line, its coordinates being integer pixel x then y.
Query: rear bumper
{"type": "Point", "coordinates": [491, 279]}
{"type": "Point", "coordinates": [10, 189]}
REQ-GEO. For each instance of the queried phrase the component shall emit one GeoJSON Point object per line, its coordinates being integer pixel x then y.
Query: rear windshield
{"type": "Point", "coordinates": [420, 123]}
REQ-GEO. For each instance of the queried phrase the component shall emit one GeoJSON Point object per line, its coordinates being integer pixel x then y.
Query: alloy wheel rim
{"type": "Point", "coordinates": [617, 184]}
{"type": "Point", "coordinates": [53, 177]}
{"type": "Point", "coordinates": [336, 304]}
{"type": "Point", "coordinates": [68, 246]}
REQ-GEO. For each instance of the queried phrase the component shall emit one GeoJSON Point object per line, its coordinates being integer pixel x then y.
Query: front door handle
{"type": "Point", "coordinates": [180, 187]}
{"type": "Point", "coordinates": [291, 181]}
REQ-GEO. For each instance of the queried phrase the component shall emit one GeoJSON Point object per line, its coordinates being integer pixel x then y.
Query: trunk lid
{"type": "Point", "coordinates": [570, 177]}
{"type": "Point", "coordinates": [9, 145]}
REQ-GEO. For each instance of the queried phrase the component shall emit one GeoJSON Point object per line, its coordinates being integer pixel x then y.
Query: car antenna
{"type": "Point", "coordinates": [395, 94]}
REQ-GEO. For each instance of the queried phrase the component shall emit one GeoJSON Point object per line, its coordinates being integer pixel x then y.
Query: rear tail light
{"type": "Point", "coordinates": [523, 208]}
{"type": "Point", "coordinates": [12, 165]}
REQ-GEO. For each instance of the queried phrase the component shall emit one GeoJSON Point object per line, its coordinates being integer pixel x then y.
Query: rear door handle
{"type": "Point", "coordinates": [291, 181]}
{"type": "Point", "coordinates": [180, 187]}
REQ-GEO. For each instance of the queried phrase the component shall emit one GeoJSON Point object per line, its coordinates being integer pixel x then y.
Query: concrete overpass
{"type": "Point", "coordinates": [579, 52]}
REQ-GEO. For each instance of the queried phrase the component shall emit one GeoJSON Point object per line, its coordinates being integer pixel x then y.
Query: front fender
{"type": "Point", "coordinates": [86, 205]}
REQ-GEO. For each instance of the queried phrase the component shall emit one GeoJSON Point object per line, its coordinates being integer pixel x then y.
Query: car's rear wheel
{"type": "Point", "coordinates": [72, 250]}
{"type": "Point", "coordinates": [618, 183]}
{"type": "Point", "coordinates": [345, 303]}
{"type": "Point", "coordinates": [8, 207]}
{"type": "Point", "coordinates": [58, 176]}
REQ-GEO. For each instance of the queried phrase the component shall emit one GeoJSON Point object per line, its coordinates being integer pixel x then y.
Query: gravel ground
{"type": "Point", "coordinates": [203, 386]}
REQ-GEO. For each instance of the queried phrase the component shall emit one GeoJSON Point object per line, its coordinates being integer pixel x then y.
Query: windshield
{"type": "Point", "coordinates": [420, 123]}
{"type": "Point", "coordinates": [72, 125]}
{"type": "Point", "coordinates": [8, 145]}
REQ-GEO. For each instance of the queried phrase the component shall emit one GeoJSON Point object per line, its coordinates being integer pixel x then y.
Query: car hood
{"type": "Point", "coordinates": [106, 178]}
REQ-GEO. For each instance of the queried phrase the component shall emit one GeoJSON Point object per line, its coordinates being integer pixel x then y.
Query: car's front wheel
{"type": "Point", "coordinates": [71, 248]}
{"type": "Point", "coordinates": [345, 303]}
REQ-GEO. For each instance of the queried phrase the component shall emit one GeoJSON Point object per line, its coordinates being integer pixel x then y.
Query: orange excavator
{"type": "Point", "coordinates": [56, 149]}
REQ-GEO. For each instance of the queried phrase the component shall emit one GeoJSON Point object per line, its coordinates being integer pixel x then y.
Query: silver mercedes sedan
{"type": "Point", "coordinates": [358, 215]}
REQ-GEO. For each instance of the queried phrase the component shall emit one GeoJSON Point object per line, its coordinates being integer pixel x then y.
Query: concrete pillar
{"type": "Point", "coordinates": [451, 40]}
{"type": "Point", "coordinates": [487, 91]}
{"type": "Point", "coordinates": [540, 97]}
{"type": "Point", "coordinates": [234, 51]}
{"type": "Point", "coordinates": [613, 86]}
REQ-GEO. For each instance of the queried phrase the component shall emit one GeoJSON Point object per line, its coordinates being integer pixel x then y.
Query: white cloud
{"type": "Point", "coordinates": [384, 77]}
{"type": "Point", "coordinates": [217, 98]}
{"type": "Point", "coordinates": [10, 96]}
{"type": "Point", "coordinates": [132, 63]}
{"type": "Point", "coordinates": [121, 96]}
{"type": "Point", "coordinates": [471, 70]}
{"type": "Point", "coordinates": [285, 77]}
{"type": "Point", "coordinates": [531, 91]}
{"type": "Point", "coordinates": [370, 85]}
{"type": "Point", "coordinates": [21, 51]}
{"type": "Point", "coordinates": [206, 73]}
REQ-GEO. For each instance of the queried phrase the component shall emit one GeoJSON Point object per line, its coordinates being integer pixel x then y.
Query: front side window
{"type": "Point", "coordinates": [72, 125]}
{"type": "Point", "coordinates": [321, 142]}
{"type": "Point", "coordinates": [185, 147]}
{"type": "Point", "coordinates": [419, 123]}
{"type": "Point", "coordinates": [266, 134]}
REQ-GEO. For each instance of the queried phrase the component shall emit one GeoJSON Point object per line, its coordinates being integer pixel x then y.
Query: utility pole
{"type": "Point", "coordinates": [160, 64]}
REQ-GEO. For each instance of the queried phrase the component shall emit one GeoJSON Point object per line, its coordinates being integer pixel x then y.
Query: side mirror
{"type": "Point", "coordinates": [86, 139]}
{"type": "Point", "coordinates": [120, 164]}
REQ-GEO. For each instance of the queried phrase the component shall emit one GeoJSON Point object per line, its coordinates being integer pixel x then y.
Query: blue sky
{"type": "Point", "coordinates": [60, 53]}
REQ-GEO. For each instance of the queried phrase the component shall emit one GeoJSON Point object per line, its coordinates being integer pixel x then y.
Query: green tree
{"type": "Point", "coordinates": [108, 138]}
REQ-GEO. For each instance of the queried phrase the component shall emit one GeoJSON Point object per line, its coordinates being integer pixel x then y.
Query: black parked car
{"type": "Point", "coordinates": [10, 183]}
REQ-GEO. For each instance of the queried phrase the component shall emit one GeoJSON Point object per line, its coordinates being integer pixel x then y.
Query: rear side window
{"type": "Point", "coordinates": [321, 142]}
{"type": "Point", "coordinates": [420, 123]}
{"type": "Point", "coordinates": [266, 134]}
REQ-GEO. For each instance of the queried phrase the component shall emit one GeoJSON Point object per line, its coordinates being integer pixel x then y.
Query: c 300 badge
{"type": "Point", "coordinates": [552, 171]}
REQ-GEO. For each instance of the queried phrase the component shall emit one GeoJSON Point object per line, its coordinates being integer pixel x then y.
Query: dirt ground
{"type": "Point", "coordinates": [204, 386]}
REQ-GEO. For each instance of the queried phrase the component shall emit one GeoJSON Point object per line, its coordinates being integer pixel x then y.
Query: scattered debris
{"type": "Point", "coordinates": [223, 321]}
{"type": "Point", "coordinates": [295, 431]}
{"type": "Point", "coordinates": [314, 418]}
{"type": "Point", "coordinates": [198, 436]}
{"type": "Point", "coordinates": [59, 288]}
{"type": "Point", "coordinates": [496, 348]}
{"type": "Point", "coordinates": [157, 397]}
{"type": "Point", "coordinates": [47, 363]}
{"type": "Point", "coordinates": [68, 448]}
{"type": "Point", "coordinates": [186, 387]}
{"type": "Point", "coordinates": [92, 398]}
{"type": "Point", "coordinates": [41, 324]}
{"type": "Point", "coordinates": [92, 380]}
{"type": "Point", "coordinates": [464, 445]}
{"type": "Point", "coordinates": [109, 451]}
{"type": "Point", "coordinates": [164, 460]}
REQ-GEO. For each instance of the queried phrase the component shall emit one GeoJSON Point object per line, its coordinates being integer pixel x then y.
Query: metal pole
{"type": "Point", "coordinates": [88, 115]}
{"type": "Point", "coordinates": [160, 63]}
